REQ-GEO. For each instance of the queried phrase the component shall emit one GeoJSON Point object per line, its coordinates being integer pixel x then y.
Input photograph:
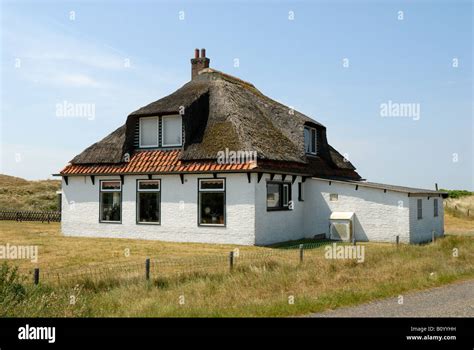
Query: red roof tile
{"type": "Point", "coordinates": [154, 162]}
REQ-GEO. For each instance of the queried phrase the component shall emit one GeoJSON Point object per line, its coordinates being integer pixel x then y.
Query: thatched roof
{"type": "Point", "coordinates": [108, 150]}
{"type": "Point", "coordinates": [221, 111]}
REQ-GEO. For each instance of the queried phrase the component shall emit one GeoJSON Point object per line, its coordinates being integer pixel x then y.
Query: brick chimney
{"type": "Point", "coordinates": [199, 62]}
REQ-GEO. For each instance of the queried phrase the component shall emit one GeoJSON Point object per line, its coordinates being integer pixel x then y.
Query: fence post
{"type": "Point", "coordinates": [147, 269]}
{"type": "Point", "coordinates": [301, 252]}
{"type": "Point", "coordinates": [231, 260]}
{"type": "Point", "coordinates": [397, 240]}
{"type": "Point", "coordinates": [432, 236]}
{"type": "Point", "coordinates": [36, 275]}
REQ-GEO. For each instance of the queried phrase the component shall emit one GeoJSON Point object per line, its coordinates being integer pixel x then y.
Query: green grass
{"type": "Point", "coordinates": [307, 242]}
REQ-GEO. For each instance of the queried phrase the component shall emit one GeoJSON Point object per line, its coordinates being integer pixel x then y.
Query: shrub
{"type": "Point", "coordinates": [457, 193]}
{"type": "Point", "coordinates": [12, 290]}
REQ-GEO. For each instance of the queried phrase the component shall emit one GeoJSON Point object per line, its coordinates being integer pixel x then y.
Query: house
{"type": "Point", "coordinates": [219, 162]}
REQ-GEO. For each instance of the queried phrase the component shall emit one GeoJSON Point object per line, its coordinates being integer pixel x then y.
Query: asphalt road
{"type": "Point", "coordinates": [453, 300]}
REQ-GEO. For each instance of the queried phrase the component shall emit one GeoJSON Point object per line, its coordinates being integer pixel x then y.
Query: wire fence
{"type": "Point", "coordinates": [160, 268]}
{"type": "Point", "coordinates": [459, 210]}
{"type": "Point", "coordinates": [164, 268]}
{"type": "Point", "coordinates": [29, 215]}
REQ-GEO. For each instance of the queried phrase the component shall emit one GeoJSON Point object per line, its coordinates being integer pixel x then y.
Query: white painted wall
{"type": "Point", "coordinates": [277, 226]}
{"type": "Point", "coordinates": [379, 216]}
{"type": "Point", "coordinates": [421, 229]}
{"type": "Point", "coordinates": [80, 210]}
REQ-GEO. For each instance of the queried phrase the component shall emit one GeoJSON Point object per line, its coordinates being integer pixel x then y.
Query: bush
{"type": "Point", "coordinates": [12, 290]}
{"type": "Point", "coordinates": [457, 193]}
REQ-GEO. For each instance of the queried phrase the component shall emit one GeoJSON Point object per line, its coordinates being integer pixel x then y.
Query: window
{"type": "Point", "coordinates": [278, 195]}
{"type": "Point", "coordinates": [300, 192]}
{"type": "Point", "coordinates": [435, 207]}
{"type": "Point", "coordinates": [310, 140]}
{"type": "Point", "coordinates": [172, 130]}
{"type": "Point", "coordinates": [333, 197]}
{"type": "Point", "coordinates": [211, 208]}
{"type": "Point", "coordinates": [419, 208]}
{"type": "Point", "coordinates": [148, 132]}
{"type": "Point", "coordinates": [148, 201]}
{"type": "Point", "coordinates": [286, 195]}
{"type": "Point", "coordinates": [110, 201]}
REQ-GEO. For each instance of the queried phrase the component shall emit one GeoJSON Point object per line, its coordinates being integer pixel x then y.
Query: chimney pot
{"type": "Point", "coordinates": [199, 63]}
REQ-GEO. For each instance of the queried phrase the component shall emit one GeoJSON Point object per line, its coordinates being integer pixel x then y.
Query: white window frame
{"type": "Point", "coordinates": [285, 195]}
{"type": "Point", "coordinates": [140, 133]}
{"type": "Point", "coordinates": [101, 190]}
{"type": "Point", "coordinates": [313, 140]}
{"type": "Point", "coordinates": [110, 189]}
{"type": "Point", "coordinates": [149, 190]}
{"type": "Point", "coordinates": [285, 201]}
{"type": "Point", "coordinates": [435, 207]}
{"type": "Point", "coordinates": [223, 190]}
{"type": "Point", "coordinates": [163, 130]}
{"type": "Point", "coordinates": [212, 189]}
{"type": "Point", "coordinates": [333, 197]}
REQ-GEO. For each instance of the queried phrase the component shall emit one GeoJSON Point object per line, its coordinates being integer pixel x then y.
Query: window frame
{"type": "Point", "coordinates": [163, 130]}
{"type": "Point", "coordinates": [313, 140]}
{"type": "Point", "coordinates": [435, 207]}
{"type": "Point", "coordinates": [213, 190]}
{"type": "Point", "coordinates": [137, 205]}
{"type": "Point", "coordinates": [419, 208]}
{"type": "Point", "coordinates": [101, 190]}
{"type": "Point", "coordinates": [157, 132]}
{"type": "Point", "coordinates": [300, 192]}
{"type": "Point", "coordinates": [282, 185]}
{"type": "Point", "coordinates": [333, 195]}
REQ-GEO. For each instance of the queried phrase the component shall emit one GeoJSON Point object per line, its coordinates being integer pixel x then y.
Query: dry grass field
{"type": "Point", "coordinates": [260, 287]}
{"type": "Point", "coordinates": [458, 226]}
{"type": "Point", "coordinates": [20, 194]}
{"type": "Point", "coordinates": [190, 279]}
{"type": "Point", "coordinates": [456, 219]}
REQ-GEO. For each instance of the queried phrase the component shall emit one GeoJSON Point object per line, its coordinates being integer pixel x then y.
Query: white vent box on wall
{"type": "Point", "coordinates": [341, 226]}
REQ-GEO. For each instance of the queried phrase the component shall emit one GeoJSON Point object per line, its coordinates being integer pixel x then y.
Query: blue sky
{"type": "Point", "coordinates": [47, 59]}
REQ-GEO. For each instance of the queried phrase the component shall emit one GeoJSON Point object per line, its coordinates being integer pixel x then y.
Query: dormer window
{"type": "Point", "coordinates": [310, 140]}
{"type": "Point", "coordinates": [172, 130]}
{"type": "Point", "coordinates": [149, 132]}
{"type": "Point", "coordinates": [164, 131]}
